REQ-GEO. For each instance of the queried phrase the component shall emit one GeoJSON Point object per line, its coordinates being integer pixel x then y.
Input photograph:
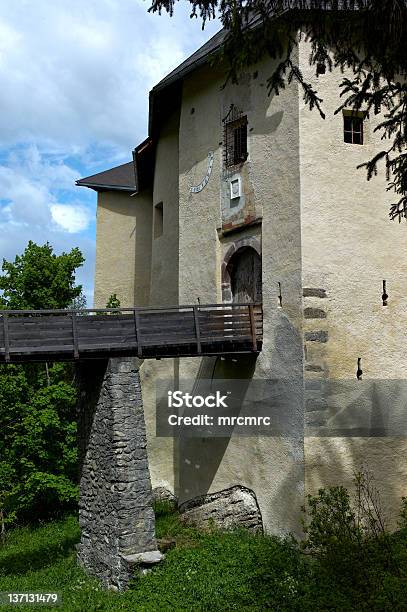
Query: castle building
{"type": "Point", "coordinates": [240, 196]}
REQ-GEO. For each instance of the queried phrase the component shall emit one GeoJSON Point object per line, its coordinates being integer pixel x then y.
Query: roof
{"type": "Point", "coordinates": [253, 19]}
{"type": "Point", "coordinates": [136, 175]}
{"type": "Point", "coordinates": [119, 178]}
{"type": "Point", "coordinates": [193, 61]}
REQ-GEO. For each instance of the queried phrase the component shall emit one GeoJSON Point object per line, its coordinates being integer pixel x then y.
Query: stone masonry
{"type": "Point", "coordinates": [115, 508]}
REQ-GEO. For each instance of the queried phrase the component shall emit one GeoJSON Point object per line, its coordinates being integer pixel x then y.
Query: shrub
{"type": "Point", "coordinates": [356, 563]}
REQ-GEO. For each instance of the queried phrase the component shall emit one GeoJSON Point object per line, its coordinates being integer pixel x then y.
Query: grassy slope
{"type": "Point", "coordinates": [205, 571]}
{"type": "Point", "coordinates": [209, 571]}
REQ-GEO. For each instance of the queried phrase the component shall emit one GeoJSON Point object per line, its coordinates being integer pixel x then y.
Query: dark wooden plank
{"type": "Point", "coordinates": [6, 337]}
{"type": "Point", "coordinates": [169, 332]}
{"type": "Point", "coordinates": [253, 327]}
{"type": "Point", "coordinates": [75, 336]}
{"type": "Point", "coordinates": [220, 329]}
{"type": "Point", "coordinates": [108, 340]}
{"type": "Point", "coordinates": [45, 342]}
{"type": "Point", "coordinates": [224, 324]}
{"type": "Point", "coordinates": [40, 334]}
{"type": "Point", "coordinates": [139, 337]}
{"type": "Point", "coordinates": [45, 320]}
{"type": "Point", "coordinates": [32, 350]}
{"type": "Point", "coordinates": [92, 333]}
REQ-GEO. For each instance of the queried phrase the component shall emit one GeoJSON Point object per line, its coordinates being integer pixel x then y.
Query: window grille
{"type": "Point", "coordinates": [234, 137]}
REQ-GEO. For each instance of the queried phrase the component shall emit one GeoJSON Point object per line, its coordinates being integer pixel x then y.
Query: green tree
{"type": "Point", "coordinates": [37, 404]}
{"type": "Point", "coordinates": [113, 301]}
{"type": "Point", "coordinates": [366, 36]}
{"type": "Point", "coordinates": [40, 279]}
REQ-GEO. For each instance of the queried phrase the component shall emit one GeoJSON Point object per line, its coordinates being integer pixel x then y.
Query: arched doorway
{"type": "Point", "coordinates": [245, 276]}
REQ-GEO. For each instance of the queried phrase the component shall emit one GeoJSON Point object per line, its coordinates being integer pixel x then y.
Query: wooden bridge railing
{"type": "Point", "coordinates": [192, 330]}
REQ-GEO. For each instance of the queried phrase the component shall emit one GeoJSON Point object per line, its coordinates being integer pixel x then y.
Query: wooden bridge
{"type": "Point", "coordinates": [65, 335]}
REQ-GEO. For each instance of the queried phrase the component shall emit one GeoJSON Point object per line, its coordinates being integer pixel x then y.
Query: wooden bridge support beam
{"type": "Point", "coordinates": [115, 508]}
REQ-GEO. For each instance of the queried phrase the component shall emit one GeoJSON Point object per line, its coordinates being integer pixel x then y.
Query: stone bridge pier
{"type": "Point", "coordinates": [115, 506]}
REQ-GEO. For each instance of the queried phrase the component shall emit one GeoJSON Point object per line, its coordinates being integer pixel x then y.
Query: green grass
{"type": "Point", "coordinates": [204, 571]}
{"type": "Point", "coordinates": [211, 571]}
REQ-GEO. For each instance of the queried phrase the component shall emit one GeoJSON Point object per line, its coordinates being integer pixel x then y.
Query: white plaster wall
{"type": "Point", "coordinates": [164, 264]}
{"type": "Point", "coordinates": [123, 234]}
{"type": "Point", "coordinates": [323, 226]}
{"type": "Point", "coordinates": [272, 467]}
{"type": "Point", "coordinates": [349, 246]}
{"type": "Point", "coordinates": [163, 292]}
{"type": "Point", "coordinates": [143, 237]}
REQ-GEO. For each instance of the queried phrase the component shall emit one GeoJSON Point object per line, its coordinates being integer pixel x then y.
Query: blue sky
{"type": "Point", "coordinates": [74, 82]}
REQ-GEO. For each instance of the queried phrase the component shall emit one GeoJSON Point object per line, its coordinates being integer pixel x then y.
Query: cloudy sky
{"type": "Point", "coordinates": [74, 82]}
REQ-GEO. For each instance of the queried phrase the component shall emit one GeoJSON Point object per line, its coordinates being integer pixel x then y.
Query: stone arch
{"type": "Point", "coordinates": [237, 252]}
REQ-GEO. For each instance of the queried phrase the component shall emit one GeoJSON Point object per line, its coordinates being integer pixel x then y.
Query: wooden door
{"type": "Point", "coordinates": [246, 277]}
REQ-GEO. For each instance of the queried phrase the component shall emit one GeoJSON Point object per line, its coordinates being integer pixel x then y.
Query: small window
{"type": "Point", "coordinates": [321, 68]}
{"type": "Point", "coordinates": [353, 129]}
{"type": "Point", "coordinates": [235, 138]}
{"type": "Point", "coordinates": [158, 220]}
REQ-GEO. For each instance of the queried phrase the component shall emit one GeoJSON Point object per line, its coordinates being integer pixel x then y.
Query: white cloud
{"type": "Point", "coordinates": [29, 186]}
{"type": "Point", "coordinates": [25, 201]}
{"type": "Point", "coordinates": [72, 218]}
{"type": "Point", "coordinates": [74, 79]}
{"type": "Point", "coordinates": [75, 73]}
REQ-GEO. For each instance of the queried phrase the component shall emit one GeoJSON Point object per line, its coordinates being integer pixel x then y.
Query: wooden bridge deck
{"type": "Point", "coordinates": [65, 335]}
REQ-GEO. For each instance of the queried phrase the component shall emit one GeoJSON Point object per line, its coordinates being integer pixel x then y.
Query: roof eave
{"type": "Point", "coordinates": [99, 187]}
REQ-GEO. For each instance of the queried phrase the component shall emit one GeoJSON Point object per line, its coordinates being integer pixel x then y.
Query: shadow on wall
{"type": "Point", "coordinates": [334, 461]}
{"type": "Point", "coordinates": [197, 460]}
{"type": "Point", "coordinates": [356, 425]}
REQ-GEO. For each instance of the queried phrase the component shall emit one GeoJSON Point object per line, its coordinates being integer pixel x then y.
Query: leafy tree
{"type": "Point", "coordinates": [37, 404]}
{"type": "Point", "coordinates": [113, 301]}
{"type": "Point", "coordinates": [78, 303]}
{"type": "Point", "coordinates": [367, 38]}
{"type": "Point", "coordinates": [40, 279]}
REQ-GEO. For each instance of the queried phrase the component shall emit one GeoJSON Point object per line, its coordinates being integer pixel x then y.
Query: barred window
{"type": "Point", "coordinates": [235, 138]}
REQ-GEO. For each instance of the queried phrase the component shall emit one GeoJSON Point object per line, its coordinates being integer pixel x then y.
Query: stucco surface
{"type": "Point", "coordinates": [326, 242]}
{"type": "Point", "coordinates": [165, 256]}
{"type": "Point", "coordinates": [123, 237]}
{"type": "Point", "coordinates": [272, 467]}
{"type": "Point", "coordinates": [160, 450]}
{"type": "Point", "coordinates": [349, 246]}
{"type": "Point", "coordinates": [163, 292]}
{"type": "Point", "coordinates": [334, 461]}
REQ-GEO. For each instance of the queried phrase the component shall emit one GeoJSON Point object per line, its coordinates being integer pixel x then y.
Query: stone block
{"type": "Point", "coordinates": [316, 336]}
{"type": "Point", "coordinates": [231, 508]}
{"type": "Point", "coordinates": [314, 313]}
{"type": "Point", "coordinates": [313, 292]}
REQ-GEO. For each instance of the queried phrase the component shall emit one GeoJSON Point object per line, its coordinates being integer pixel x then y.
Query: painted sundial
{"type": "Point", "coordinates": [205, 180]}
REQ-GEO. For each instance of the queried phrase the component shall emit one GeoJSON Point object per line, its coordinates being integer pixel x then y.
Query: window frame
{"type": "Point", "coordinates": [235, 139]}
{"type": "Point", "coordinates": [353, 128]}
